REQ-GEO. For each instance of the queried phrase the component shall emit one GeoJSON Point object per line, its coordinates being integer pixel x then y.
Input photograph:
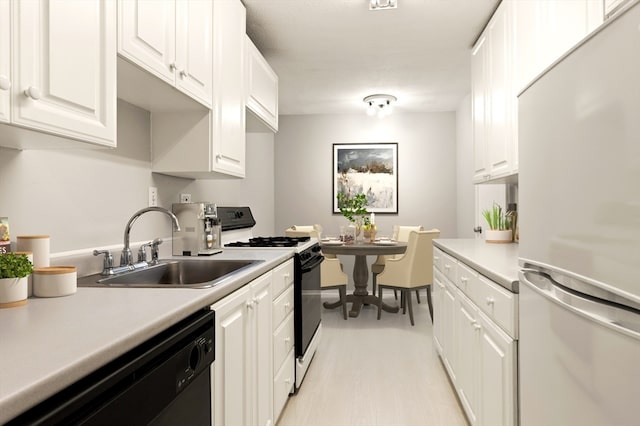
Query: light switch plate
{"type": "Point", "coordinates": [185, 198]}
{"type": "Point", "coordinates": [153, 196]}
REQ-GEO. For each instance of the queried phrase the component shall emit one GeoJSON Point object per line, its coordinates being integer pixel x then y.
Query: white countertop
{"type": "Point", "coordinates": [499, 262]}
{"type": "Point", "coordinates": [50, 343]}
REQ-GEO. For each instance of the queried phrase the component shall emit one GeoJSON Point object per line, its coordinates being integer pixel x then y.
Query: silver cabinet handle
{"type": "Point", "coordinates": [5, 83]}
{"type": "Point", "coordinates": [172, 66]}
{"type": "Point", "coordinates": [33, 93]}
{"type": "Point", "coordinates": [183, 74]}
{"type": "Point", "coordinates": [490, 301]}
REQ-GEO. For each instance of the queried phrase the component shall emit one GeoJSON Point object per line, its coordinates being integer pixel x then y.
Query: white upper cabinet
{"type": "Point", "coordinates": [172, 40]}
{"type": "Point", "coordinates": [63, 71]}
{"type": "Point", "coordinates": [479, 89]}
{"type": "Point", "coordinates": [262, 86]}
{"type": "Point", "coordinates": [493, 99]}
{"type": "Point", "coordinates": [5, 64]}
{"type": "Point", "coordinates": [522, 38]}
{"type": "Point", "coordinates": [500, 94]}
{"type": "Point", "coordinates": [205, 144]}
{"type": "Point", "coordinates": [229, 17]}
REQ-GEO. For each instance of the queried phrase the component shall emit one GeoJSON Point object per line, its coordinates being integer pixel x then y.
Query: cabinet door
{"type": "Point", "coordinates": [194, 50]}
{"type": "Point", "coordinates": [229, 57]}
{"type": "Point", "coordinates": [231, 382]}
{"type": "Point", "coordinates": [449, 330]}
{"type": "Point", "coordinates": [263, 350]}
{"type": "Point", "coordinates": [5, 64]}
{"type": "Point", "coordinates": [479, 111]}
{"type": "Point", "coordinates": [65, 59]}
{"type": "Point", "coordinates": [438, 306]}
{"type": "Point", "coordinates": [146, 35]}
{"type": "Point", "coordinates": [497, 375]}
{"type": "Point", "coordinates": [262, 87]}
{"type": "Point", "coordinates": [499, 135]}
{"type": "Point", "coordinates": [467, 329]}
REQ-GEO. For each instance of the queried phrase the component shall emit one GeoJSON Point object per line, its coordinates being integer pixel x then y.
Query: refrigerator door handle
{"type": "Point", "coordinates": [626, 321]}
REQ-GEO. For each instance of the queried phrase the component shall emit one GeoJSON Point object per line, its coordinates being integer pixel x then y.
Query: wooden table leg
{"type": "Point", "coordinates": [360, 295]}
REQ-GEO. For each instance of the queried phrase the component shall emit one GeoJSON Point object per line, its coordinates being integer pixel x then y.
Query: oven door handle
{"type": "Point", "coordinates": [307, 267]}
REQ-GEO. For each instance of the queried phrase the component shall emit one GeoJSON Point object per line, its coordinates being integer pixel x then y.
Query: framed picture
{"type": "Point", "coordinates": [370, 169]}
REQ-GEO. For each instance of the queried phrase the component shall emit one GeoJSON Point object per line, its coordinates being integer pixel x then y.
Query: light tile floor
{"type": "Point", "coordinates": [375, 373]}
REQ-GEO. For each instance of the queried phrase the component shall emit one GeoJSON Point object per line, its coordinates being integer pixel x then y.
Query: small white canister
{"type": "Point", "coordinates": [30, 257]}
{"type": "Point", "coordinates": [55, 281]}
{"type": "Point", "coordinates": [38, 245]}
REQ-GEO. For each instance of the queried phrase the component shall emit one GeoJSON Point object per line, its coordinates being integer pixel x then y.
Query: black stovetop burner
{"type": "Point", "coordinates": [269, 242]}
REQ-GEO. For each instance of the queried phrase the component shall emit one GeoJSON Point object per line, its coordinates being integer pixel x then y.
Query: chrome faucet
{"type": "Point", "coordinates": [127, 257]}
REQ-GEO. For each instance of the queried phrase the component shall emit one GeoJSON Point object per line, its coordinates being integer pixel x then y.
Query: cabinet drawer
{"type": "Point", "coordinates": [437, 258]}
{"type": "Point", "coordinates": [282, 341]}
{"type": "Point", "coordinates": [283, 384]}
{"type": "Point", "coordinates": [449, 267]}
{"type": "Point", "coordinates": [282, 306]}
{"type": "Point", "coordinates": [282, 277]}
{"type": "Point", "coordinates": [498, 304]}
{"type": "Point", "coordinates": [467, 280]}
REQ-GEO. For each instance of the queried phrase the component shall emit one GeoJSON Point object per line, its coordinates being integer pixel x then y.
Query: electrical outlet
{"type": "Point", "coordinates": [153, 196]}
{"type": "Point", "coordinates": [185, 198]}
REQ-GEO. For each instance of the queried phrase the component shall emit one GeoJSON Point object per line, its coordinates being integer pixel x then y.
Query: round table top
{"type": "Point", "coordinates": [364, 248]}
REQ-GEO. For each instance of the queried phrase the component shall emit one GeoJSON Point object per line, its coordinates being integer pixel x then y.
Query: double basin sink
{"type": "Point", "coordinates": [183, 273]}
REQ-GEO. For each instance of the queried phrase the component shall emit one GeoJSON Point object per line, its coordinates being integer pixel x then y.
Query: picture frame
{"type": "Point", "coordinates": [370, 169]}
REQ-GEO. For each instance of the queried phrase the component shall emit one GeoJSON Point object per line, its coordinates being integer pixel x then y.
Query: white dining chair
{"type": "Point", "coordinates": [400, 233]}
{"type": "Point", "coordinates": [413, 270]}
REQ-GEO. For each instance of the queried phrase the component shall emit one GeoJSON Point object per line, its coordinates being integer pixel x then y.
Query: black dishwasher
{"type": "Point", "coordinates": [164, 381]}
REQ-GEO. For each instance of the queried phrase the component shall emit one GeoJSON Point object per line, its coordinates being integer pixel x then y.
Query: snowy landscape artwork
{"type": "Point", "coordinates": [370, 169]}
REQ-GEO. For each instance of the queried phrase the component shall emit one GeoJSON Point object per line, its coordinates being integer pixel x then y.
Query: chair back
{"type": "Point", "coordinates": [401, 232]}
{"type": "Point", "coordinates": [313, 231]}
{"type": "Point", "coordinates": [414, 268]}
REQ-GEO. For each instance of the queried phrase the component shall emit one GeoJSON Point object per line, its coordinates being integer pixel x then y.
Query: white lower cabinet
{"type": "Point", "coordinates": [498, 374]}
{"type": "Point", "coordinates": [242, 377]}
{"type": "Point", "coordinates": [283, 350]}
{"type": "Point", "coordinates": [475, 333]}
{"type": "Point", "coordinates": [253, 372]}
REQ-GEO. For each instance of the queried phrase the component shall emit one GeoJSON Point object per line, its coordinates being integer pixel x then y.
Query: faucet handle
{"type": "Point", "coordinates": [154, 249]}
{"type": "Point", "coordinates": [107, 266]}
{"type": "Point", "coordinates": [142, 252]}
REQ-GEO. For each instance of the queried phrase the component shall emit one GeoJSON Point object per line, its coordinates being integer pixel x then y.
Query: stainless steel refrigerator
{"type": "Point", "coordinates": [579, 196]}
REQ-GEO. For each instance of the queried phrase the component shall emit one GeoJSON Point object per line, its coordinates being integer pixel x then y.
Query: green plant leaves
{"type": "Point", "coordinates": [15, 266]}
{"type": "Point", "coordinates": [497, 219]}
{"type": "Point", "coordinates": [352, 207]}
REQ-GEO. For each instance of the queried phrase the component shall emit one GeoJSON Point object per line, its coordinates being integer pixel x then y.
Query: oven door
{"type": "Point", "coordinates": [307, 301]}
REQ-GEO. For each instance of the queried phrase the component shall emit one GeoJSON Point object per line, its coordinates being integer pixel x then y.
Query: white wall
{"type": "Point", "coordinates": [465, 191]}
{"type": "Point", "coordinates": [426, 168]}
{"type": "Point", "coordinates": [83, 198]}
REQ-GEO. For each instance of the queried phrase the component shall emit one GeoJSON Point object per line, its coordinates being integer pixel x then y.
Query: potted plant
{"type": "Point", "coordinates": [354, 209]}
{"type": "Point", "coordinates": [499, 225]}
{"type": "Point", "coordinates": [14, 272]}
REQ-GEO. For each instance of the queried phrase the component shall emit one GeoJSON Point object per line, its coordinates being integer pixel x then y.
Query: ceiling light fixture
{"type": "Point", "coordinates": [383, 4]}
{"type": "Point", "coordinates": [380, 105]}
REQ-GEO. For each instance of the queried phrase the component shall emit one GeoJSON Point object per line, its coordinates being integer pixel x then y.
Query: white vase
{"type": "Point", "coordinates": [494, 236]}
{"type": "Point", "coordinates": [13, 291]}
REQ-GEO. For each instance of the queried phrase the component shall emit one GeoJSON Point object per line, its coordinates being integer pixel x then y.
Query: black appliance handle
{"type": "Point", "coordinates": [311, 264]}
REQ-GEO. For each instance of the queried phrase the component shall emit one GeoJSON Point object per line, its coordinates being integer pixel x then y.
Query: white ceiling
{"type": "Point", "coordinates": [330, 54]}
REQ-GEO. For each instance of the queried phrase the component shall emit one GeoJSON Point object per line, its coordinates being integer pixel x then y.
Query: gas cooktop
{"type": "Point", "coordinates": [269, 242]}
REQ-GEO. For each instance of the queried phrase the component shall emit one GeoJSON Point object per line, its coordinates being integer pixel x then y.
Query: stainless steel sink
{"type": "Point", "coordinates": [183, 273]}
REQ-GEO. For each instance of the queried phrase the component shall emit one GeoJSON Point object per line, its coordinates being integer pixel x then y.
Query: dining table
{"type": "Point", "coordinates": [362, 249]}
